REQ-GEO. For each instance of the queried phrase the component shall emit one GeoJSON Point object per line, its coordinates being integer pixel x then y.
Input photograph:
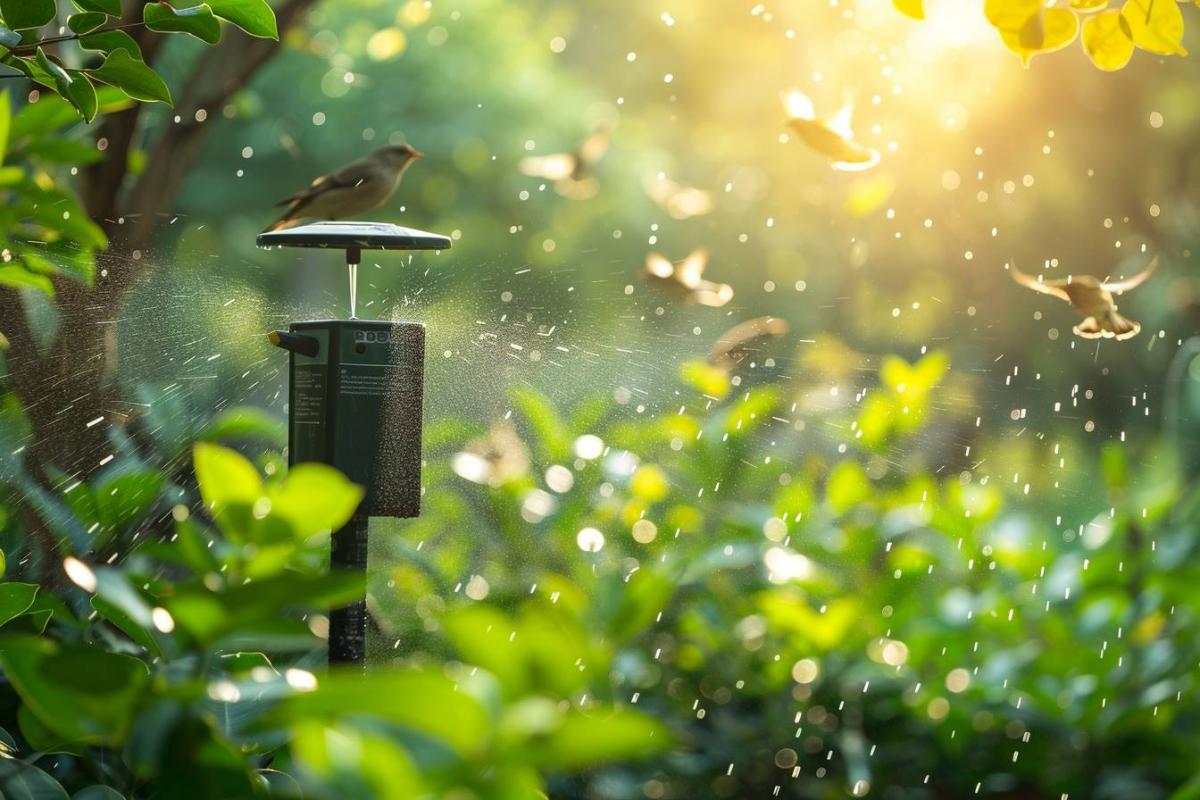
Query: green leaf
{"type": "Point", "coordinates": [426, 702]}
{"type": "Point", "coordinates": [187, 757]}
{"type": "Point", "coordinates": [847, 486]}
{"type": "Point", "coordinates": [53, 150]}
{"type": "Point", "coordinates": [355, 763]}
{"type": "Point", "coordinates": [72, 85]}
{"type": "Point", "coordinates": [126, 498]}
{"type": "Point", "coordinates": [98, 792]}
{"type": "Point", "coordinates": [110, 7]}
{"type": "Point", "coordinates": [226, 478]}
{"type": "Point", "coordinates": [21, 781]}
{"type": "Point", "coordinates": [246, 423]}
{"type": "Point", "coordinates": [41, 738]}
{"type": "Point", "coordinates": [598, 736]}
{"type": "Point", "coordinates": [140, 634]}
{"type": "Point", "coordinates": [16, 276]}
{"type": "Point", "coordinates": [209, 615]}
{"type": "Point", "coordinates": [550, 431]}
{"type": "Point", "coordinates": [5, 123]}
{"type": "Point", "coordinates": [110, 41]}
{"type": "Point", "coordinates": [255, 17]}
{"type": "Point", "coordinates": [86, 21]}
{"type": "Point", "coordinates": [196, 21]}
{"type": "Point", "coordinates": [15, 600]}
{"type": "Point", "coordinates": [9, 38]}
{"type": "Point", "coordinates": [24, 14]}
{"type": "Point", "coordinates": [314, 498]}
{"type": "Point", "coordinates": [114, 587]}
{"type": "Point", "coordinates": [47, 115]}
{"type": "Point", "coordinates": [82, 693]}
{"type": "Point", "coordinates": [133, 77]}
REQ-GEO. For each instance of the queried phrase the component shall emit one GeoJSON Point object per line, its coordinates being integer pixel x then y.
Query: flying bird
{"type": "Point", "coordinates": [686, 280]}
{"type": "Point", "coordinates": [572, 173]}
{"type": "Point", "coordinates": [745, 339]}
{"type": "Point", "coordinates": [681, 202]}
{"type": "Point", "coordinates": [1092, 298]}
{"type": "Point", "coordinates": [830, 136]}
{"type": "Point", "coordinates": [357, 187]}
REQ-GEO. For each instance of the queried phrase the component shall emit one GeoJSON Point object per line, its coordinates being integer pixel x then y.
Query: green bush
{"type": "Point", "coordinates": [611, 606]}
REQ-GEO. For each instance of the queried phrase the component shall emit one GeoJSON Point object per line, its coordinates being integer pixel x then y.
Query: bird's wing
{"type": "Point", "coordinates": [690, 272]}
{"type": "Point", "coordinates": [594, 146]}
{"type": "Point", "coordinates": [556, 167]}
{"type": "Point", "coordinates": [351, 174]}
{"type": "Point", "coordinates": [1052, 288]}
{"type": "Point", "coordinates": [659, 267]}
{"type": "Point", "coordinates": [1135, 281]}
{"type": "Point", "coordinates": [711, 294]}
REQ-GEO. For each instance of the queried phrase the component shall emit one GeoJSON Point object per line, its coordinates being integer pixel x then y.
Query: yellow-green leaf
{"type": "Point", "coordinates": [911, 8]}
{"type": "Point", "coordinates": [1155, 25]}
{"type": "Point", "coordinates": [1105, 40]}
{"type": "Point", "coordinates": [1010, 16]}
{"type": "Point", "coordinates": [1044, 32]}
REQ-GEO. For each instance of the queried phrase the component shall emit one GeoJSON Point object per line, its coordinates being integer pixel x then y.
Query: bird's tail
{"type": "Point", "coordinates": [282, 224]}
{"type": "Point", "coordinates": [1112, 326]}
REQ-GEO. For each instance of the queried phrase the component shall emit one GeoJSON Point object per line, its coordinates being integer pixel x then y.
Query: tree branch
{"type": "Point", "coordinates": [220, 73]}
{"type": "Point", "coordinates": [101, 183]}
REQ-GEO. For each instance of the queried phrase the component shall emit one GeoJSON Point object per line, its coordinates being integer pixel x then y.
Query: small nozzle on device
{"type": "Point", "coordinates": [295, 342]}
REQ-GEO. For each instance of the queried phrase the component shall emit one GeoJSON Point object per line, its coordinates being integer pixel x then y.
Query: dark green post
{"type": "Point", "coordinates": [354, 403]}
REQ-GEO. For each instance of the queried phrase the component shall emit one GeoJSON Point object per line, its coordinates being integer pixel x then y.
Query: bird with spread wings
{"type": "Point", "coordinates": [1092, 298]}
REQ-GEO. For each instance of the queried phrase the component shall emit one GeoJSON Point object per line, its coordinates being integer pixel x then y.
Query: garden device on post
{"type": "Point", "coordinates": [354, 403]}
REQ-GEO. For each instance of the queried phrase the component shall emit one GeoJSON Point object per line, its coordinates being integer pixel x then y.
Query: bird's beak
{"type": "Point", "coordinates": [418, 154]}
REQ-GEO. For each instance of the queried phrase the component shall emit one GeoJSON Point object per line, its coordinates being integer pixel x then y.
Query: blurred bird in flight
{"type": "Point", "coordinates": [571, 172]}
{"type": "Point", "coordinates": [686, 280]}
{"type": "Point", "coordinates": [357, 187]}
{"type": "Point", "coordinates": [681, 202]}
{"type": "Point", "coordinates": [831, 136]}
{"type": "Point", "coordinates": [744, 339]}
{"type": "Point", "coordinates": [1092, 298]}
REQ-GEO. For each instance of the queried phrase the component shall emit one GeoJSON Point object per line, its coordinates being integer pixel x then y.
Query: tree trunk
{"type": "Point", "coordinates": [67, 388]}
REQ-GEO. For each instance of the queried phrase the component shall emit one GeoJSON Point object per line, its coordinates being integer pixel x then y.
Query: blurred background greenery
{"type": "Point", "coordinates": [928, 544]}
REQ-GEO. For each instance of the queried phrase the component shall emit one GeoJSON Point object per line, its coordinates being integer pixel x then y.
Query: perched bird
{"type": "Point", "coordinates": [1092, 298]}
{"type": "Point", "coordinates": [744, 339]}
{"type": "Point", "coordinates": [357, 187]}
{"type": "Point", "coordinates": [831, 136]}
{"type": "Point", "coordinates": [571, 172]}
{"type": "Point", "coordinates": [686, 280]}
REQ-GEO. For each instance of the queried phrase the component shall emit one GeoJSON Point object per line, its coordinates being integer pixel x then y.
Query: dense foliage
{"type": "Point", "coordinates": [637, 573]}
